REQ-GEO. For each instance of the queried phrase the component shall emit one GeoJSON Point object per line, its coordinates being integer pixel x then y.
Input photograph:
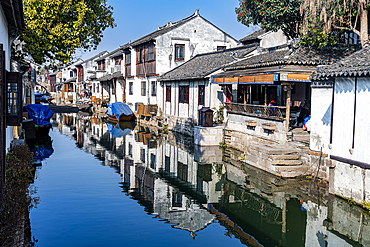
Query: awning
{"type": "Point", "coordinates": [251, 79]}
{"type": "Point", "coordinates": [262, 79]}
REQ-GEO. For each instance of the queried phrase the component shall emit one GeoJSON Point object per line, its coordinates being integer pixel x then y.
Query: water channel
{"type": "Point", "coordinates": [128, 185]}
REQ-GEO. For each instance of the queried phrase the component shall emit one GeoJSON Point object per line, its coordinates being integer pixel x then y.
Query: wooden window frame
{"type": "Point", "coordinates": [143, 88]}
{"type": "Point", "coordinates": [201, 94]}
{"type": "Point", "coordinates": [128, 59]}
{"type": "Point", "coordinates": [117, 60]}
{"type": "Point", "coordinates": [184, 94]}
{"type": "Point", "coordinates": [168, 93]}
{"type": "Point", "coordinates": [178, 54]}
{"type": "Point", "coordinates": [151, 53]}
{"type": "Point", "coordinates": [14, 86]}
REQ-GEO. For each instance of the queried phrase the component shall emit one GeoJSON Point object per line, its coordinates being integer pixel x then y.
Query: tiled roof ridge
{"type": "Point", "coordinates": [221, 58]}
{"type": "Point", "coordinates": [162, 29]}
{"type": "Point", "coordinates": [253, 35]}
{"type": "Point", "coordinates": [352, 65]}
{"type": "Point", "coordinates": [97, 55]}
{"type": "Point", "coordinates": [226, 50]}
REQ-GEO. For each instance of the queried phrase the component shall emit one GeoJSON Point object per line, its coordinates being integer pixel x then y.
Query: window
{"type": "Point", "coordinates": [128, 58]}
{"type": "Point", "coordinates": [143, 88]}
{"type": "Point", "coordinates": [179, 52]}
{"type": "Point", "coordinates": [182, 171]}
{"type": "Point", "coordinates": [140, 55]}
{"type": "Point", "coordinates": [176, 199]}
{"type": "Point", "coordinates": [154, 88]}
{"type": "Point", "coordinates": [71, 73]}
{"type": "Point", "coordinates": [201, 95]}
{"type": "Point", "coordinates": [167, 163]}
{"type": "Point", "coordinates": [117, 60]}
{"type": "Point", "coordinates": [130, 88]}
{"type": "Point", "coordinates": [151, 53]}
{"type": "Point", "coordinates": [101, 65]}
{"type": "Point", "coordinates": [220, 48]}
{"type": "Point", "coordinates": [130, 149]}
{"type": "Point", "coordinates": [184, 94]}
{"type": "Point", "coordinates": [168, 93]}
{"type": "Point", "coordinates": [97, 88]}
{"type": "Point", "coordinates": [152, 161]}
{"type": "Point", "coordinates": [142, 155]}
{"type": "Point", "coordinates": [14, 98]}
{"type": "Point", "coordinates": [93, 88]}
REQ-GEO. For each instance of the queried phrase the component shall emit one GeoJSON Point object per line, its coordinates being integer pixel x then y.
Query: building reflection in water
{"type": "Point", "coordinates": [192, 187]}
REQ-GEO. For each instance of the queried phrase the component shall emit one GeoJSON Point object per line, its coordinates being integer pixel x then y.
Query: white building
{"type": "Point", "coordinates": [11, 21]}
{"type": "Point", "coordinates": [171, 45]}
{"type": "Point", "coordinates": [340, 115]}
{"type": "Point", "coordinates": [188, 87]}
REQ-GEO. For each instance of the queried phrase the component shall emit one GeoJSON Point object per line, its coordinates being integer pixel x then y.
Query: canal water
{"type": "Point", "coordinates": [133, 185]}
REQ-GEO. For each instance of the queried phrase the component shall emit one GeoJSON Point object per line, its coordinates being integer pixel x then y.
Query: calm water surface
{"type": "Point", "coordinates": [106, 186]}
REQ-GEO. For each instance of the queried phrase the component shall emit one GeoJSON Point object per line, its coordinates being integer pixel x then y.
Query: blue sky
{"type": "Point", "coordinates": [135, 19]}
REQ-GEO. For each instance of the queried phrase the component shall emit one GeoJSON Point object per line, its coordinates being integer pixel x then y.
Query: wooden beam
{"type": "Point", "coordinates": [287, 109]}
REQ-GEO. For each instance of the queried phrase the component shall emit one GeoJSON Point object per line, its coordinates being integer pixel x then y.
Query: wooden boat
{"type": "Point", "coordinates": [40, 115]}
{"type": "Point", "coordinates": [118, 112]}
{"type": "Point", "coordinates": [85, 107]}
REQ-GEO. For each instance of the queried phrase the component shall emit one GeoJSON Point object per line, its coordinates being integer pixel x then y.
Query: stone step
{"type": "Point", "coordinates": [291, 171]}
{"type": "Point", "coordinates": [274, 150]}
{"type": "Point", "coordinates": [284, 157]}
{"type": "Point", "coordinates": [287, 162]}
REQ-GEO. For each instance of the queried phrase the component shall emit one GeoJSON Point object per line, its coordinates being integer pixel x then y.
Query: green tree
{"type": "Point", "coordinates": [316, 22]}
{"type": "Point", "coordinates": [54, 29]}
{"type": "Point", "coordinates": [271, 15]}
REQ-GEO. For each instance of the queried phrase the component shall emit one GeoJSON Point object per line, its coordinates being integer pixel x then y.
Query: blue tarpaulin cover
{"type": "Point", "coordinates": [118, 108]}
{"type": "Point", "coordinates": [40, 94]}
{"type": "Point", "coordinates": [40, 114]}
{"type": "Point", "coordinates": [116, 131]}
{"type": "Point", "coordinates": [42, 152]}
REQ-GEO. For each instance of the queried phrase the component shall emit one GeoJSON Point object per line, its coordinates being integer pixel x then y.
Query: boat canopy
{"type": "Point", "coordinates": [118, 108]}
{"type": "Point", "coordinates": [116, 131]}
{"type": "Point", "coordinates": [40, 114]}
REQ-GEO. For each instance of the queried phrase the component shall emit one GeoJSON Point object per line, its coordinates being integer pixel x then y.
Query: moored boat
{"type": "Point", "coordinates": [85, 107]}
{"type": "Point", "coordinates": [40, 115]}
{"type": "Point", "coordinates": [118, 112]}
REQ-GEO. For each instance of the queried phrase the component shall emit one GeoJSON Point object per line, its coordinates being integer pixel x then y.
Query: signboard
{"type": "Point", "coordinates": [283, 77]}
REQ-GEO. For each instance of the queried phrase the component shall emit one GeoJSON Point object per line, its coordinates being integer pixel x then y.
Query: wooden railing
{"type": "Point", "coordinates": [128, 70]}
{"type": "Point", "coordinates": [145, 69]}
{"type": "Point", "coordinates": [273, 112]}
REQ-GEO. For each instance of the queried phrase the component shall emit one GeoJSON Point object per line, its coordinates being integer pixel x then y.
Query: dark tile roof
{"type": "Point", "coordinates": [253, 35]}
{"type": "Point", "coordinates": [204, 64]}
{"type": "Point", "coordinates": [15, 15]}
{"type": "Point", "coordinates": [168, 27]}
{"type": "Point", "coordinates": [357, 64]}
{"type": "Point", "coordinates": [299, 56]}
{"type": "Point", "coordinates": [108, 77]}
{"type": "Point", "coordinates": [116, 52]}
{"type": "Point", "coordinates": [72, 79]}
{"type": "Point", "coordinates": [98, 55]}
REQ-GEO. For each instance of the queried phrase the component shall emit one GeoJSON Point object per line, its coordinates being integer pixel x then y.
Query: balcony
{"type": "Point", "coordinates": [115, 68]}
{"type": "Point", "coordinates": [145, 69]}
{"type": "Point", "coordinates": [260, 111]}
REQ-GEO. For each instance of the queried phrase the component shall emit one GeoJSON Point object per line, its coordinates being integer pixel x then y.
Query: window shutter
{"type": "Point", "coordinates": [14, 98]}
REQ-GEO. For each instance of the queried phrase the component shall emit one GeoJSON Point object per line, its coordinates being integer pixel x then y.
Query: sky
{"type": "Point", "coordinates": [136, 19]}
